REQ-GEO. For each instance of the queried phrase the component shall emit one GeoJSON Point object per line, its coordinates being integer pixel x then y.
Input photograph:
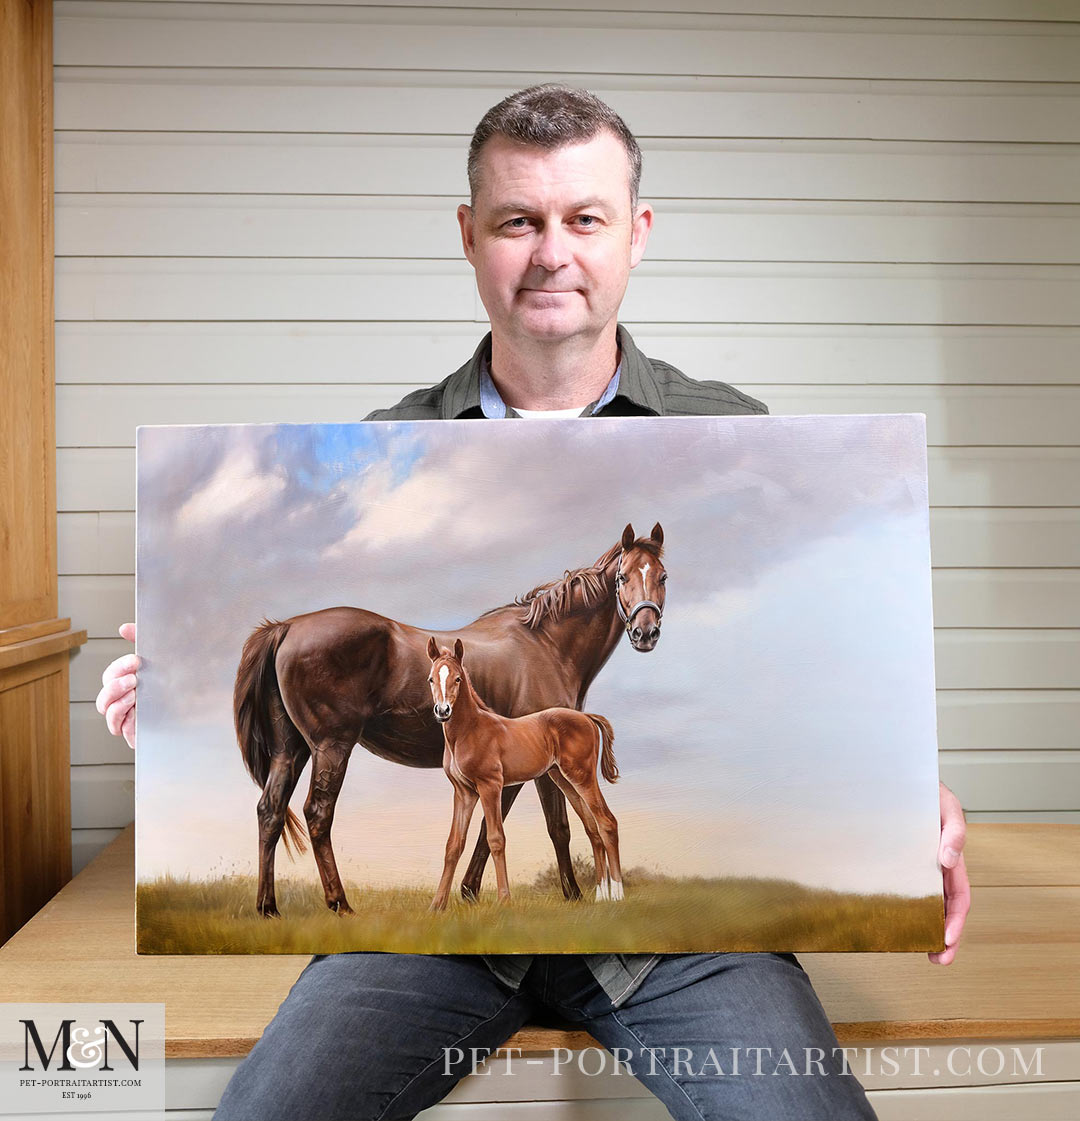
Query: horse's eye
{"type": "Point", "coordinates": [663, 579]}
{"type": "Point", "coordinates": [457, 680]}
{"type": "Point", "coordinates": [431, 680]}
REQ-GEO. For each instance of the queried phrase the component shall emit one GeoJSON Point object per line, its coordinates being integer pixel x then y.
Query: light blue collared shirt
{"type": "Point", "coordinates": [495, 408]}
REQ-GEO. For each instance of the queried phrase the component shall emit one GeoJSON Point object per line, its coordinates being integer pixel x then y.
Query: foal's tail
{"type": "Point", "coordinates": [608, 767]}
{"type": "Point", "coordinates": [256, 690]}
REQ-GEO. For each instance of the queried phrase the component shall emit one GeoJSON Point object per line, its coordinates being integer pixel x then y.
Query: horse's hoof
{"type": "Point", "coordinates": [468, 894]}
{"type": "Point", "coordinates": [437, 907]}
{"type": "Point", "coordinates": [269, 912]}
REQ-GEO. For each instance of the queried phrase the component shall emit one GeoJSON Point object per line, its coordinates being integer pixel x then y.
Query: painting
{"type": "Point", "coordinates": [635, 685]}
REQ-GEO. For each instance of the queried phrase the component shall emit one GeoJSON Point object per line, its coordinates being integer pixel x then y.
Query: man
{"type": "Point", "coordinates": [553, 229]}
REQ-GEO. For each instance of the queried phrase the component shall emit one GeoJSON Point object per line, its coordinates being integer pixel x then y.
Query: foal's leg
{"type": "Point", "coordinates": [558, 827]}
{"type": "Point", "coordinates": [578, 756]}
{"type": "Point", "coordinates": [609, 831]}
{"type": "Point", "coordinates": [464, 803]}
{"type": "Point", "coordinates": [587, 819]}
{"type": "Point", "coordinates": [490, 799]}
{"type": "Point", "coordinates": [328, 762]}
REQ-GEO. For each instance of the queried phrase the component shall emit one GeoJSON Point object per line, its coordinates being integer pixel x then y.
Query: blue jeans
{"type": "Point", "coordinates": [364, 1036]}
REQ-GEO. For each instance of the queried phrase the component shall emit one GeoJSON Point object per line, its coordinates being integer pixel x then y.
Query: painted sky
{"type": "Point", "coordinates": [784, 725]}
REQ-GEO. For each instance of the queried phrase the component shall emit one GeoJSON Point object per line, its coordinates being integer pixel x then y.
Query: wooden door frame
{"type": "Point", "coordinates": [35, 643]}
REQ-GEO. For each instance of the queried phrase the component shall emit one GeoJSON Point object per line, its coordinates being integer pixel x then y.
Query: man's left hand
{"type": "Point", "coordinates": [954, 873]}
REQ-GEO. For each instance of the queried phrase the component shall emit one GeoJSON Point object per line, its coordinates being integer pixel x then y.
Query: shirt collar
{"type": "Point", "coordinates": [471, 391]}
{"type": "Point", "coordinates": [495, 408]}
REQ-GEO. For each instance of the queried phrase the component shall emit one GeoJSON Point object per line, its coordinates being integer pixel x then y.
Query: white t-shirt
{"type": "Point", "coordinates": [548, 414]}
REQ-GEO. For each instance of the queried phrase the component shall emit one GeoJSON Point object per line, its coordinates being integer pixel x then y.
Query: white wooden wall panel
{"type": "Point", "coordinates": [1058, 10]}
{"type": "Point", "coordinates": [121, 288]}
{"type": "Point", "coordinates": [716, 167]}
{"type": "Point", "coordinates": [856, 213]}
{"type": "Point", "coordinates": [106, 415]}
{"type": "Point", "coordinates": [1008, 720]}
{"type": "Point", "coordinates": [85, 845]}
{"type": "Point", "coordinates": [568, 41]}
{"type": "Point", "coordinates": [805, 354]}
{"type": "Point", "coordinates": [173, 225]}
{"type": "Point", "coordinates": [224, 100]}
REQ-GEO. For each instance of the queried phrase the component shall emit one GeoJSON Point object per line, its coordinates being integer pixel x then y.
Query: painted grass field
{"type": "Point", "coordinates": [658, 914]}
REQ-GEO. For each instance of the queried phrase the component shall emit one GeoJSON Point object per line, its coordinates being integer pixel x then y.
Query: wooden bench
{"type": "Point", "coordinates": [1016, 978]}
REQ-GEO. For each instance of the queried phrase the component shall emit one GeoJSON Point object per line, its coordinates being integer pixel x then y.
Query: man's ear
{"type": "Point", "coordinates": [467, 221]}
{"type": "Point", "coordinates": [639, 232]}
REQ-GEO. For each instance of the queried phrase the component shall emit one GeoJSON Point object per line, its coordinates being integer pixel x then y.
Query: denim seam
{"type": "Point", "coordinates": [629, 984]}
{"type": "Point", "coordinates": [423, 1070]}
{"type": "Point", "coordinates": [663, 1066]}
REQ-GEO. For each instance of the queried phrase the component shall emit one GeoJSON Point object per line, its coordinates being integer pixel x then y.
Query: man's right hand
{"type": "Point", "coordinates": [116, 701]}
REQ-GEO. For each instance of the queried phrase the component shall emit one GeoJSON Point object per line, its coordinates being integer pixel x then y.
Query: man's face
{"type": "Point", "coordinates": [552, 237]}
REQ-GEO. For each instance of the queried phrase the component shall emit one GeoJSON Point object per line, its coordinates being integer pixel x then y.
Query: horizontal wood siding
{"type": "Point", "coordinates": [858, 211]}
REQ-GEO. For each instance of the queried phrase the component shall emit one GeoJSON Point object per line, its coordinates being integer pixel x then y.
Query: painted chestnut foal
{"type": "Point", "coordinates": [485, 752]}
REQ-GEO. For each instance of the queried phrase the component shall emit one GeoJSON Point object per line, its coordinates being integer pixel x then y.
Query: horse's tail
{"type": "Point", "coordinates": [255, 691]}
{"type": "Point", "coordinates": [608, 767]}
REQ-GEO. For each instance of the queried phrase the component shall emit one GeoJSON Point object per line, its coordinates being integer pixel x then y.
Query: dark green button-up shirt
{"type": "Point", "coordinates": [640, 387]}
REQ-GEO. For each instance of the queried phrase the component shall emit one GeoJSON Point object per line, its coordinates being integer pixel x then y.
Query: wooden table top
{"type": "Point", "coordinates": [1016, 976]}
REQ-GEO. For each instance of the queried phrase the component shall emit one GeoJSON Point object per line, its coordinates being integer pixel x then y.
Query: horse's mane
{"type": "Point", "coordinates": [555, 599]}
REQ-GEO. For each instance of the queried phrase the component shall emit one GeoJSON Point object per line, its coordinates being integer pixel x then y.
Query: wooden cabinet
{"type": "Point", "coordinates": [35, 784]}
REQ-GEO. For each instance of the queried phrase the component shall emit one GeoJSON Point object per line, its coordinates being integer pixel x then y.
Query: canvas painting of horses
{"type": "Point", "coordinates": [635, 685]}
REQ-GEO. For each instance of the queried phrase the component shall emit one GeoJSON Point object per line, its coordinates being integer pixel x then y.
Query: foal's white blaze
{"type": "Point", "coordinates": [444, 673]}
{"type": "Point", "coordinates": [644, 570]}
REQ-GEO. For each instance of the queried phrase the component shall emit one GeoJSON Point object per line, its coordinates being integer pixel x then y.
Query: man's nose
{"type": "Point", "coordinates": [553, 249]}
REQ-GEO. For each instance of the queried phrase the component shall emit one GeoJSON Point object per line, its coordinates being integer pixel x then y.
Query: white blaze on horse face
{"type": "Point", "coordinates": [444, 673]}
{"type": "Point", "coordinates": [644, 570]}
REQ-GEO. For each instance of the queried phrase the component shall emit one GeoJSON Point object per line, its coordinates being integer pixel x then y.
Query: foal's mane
{"type": "Point", "coordinates": [556, 599]}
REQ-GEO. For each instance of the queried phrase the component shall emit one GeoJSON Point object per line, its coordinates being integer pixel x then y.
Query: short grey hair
{"type": "Point", "coordinates": [551, 116]}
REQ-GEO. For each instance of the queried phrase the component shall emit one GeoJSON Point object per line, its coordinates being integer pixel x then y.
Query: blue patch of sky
{"type": "Point", "coordinates": [321, 456]}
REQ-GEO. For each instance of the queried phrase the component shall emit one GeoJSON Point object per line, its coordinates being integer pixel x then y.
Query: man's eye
{"type": "Point", "coordinates": [514, 223]}
{"type": "Point", "coordinates": [589, 220]}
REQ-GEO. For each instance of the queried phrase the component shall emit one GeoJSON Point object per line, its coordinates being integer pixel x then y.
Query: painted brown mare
{"type": "Point", "coordinates": [318, 684]}
{"type": "Point", "coordinates": [485, 753]}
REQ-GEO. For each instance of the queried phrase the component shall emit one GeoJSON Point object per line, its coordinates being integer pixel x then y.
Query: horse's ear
{"type": "Point", "coordinates": [459, 649]}
{"type": "Point", "coordinates": [658, 534]}
{"type": "Point", "coordinates": [432, 648]}
{"type": "Point", "coordinates": [628, 537]}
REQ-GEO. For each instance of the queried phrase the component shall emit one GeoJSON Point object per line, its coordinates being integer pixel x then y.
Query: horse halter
{"type": "Point", "coordinates": [628, 617]}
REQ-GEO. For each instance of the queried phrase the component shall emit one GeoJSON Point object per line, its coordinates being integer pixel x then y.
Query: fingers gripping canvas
{"type": "Point", "coordinates": [630, 685]}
